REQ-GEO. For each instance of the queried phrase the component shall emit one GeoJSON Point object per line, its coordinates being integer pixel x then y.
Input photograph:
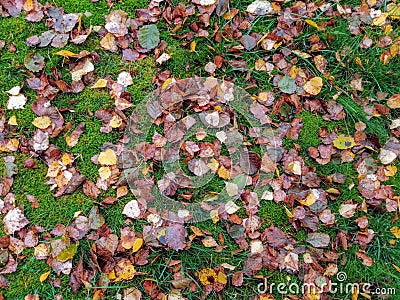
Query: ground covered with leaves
{"type": "Point", "coordinates": [204, 149]}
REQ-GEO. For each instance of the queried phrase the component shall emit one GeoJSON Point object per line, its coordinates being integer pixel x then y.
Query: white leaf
{"type": "Point", "coordinates": [132, 209]}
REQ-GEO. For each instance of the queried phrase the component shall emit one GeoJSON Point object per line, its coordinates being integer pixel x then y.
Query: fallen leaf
{"type": "Point", "coordinates": [14, 221]}
{"type": "Point", "coordinates": [175, 236]}
{"type": "Point", "coordinates": [67, 253]}
{"type": "Point", "coordinates": [259, 7]}
{"type": "Point", "coordinates": [132, 209]}
{"type": "Point", "coordinates": [82, 69]}
{"type": "Point", "coordinates": [124, 79]}
{"type": "Point", "coordinates": [149, 36]}
{"type": "Point", "coordinates": [287, 85]}
{"type": "Point", "coordinates": [313, 86]}
{"type": "Point", "coordinates": [42, 122]}
{"type": "Point", "coordinates": [347, 210]}
{"type": "Point", "coordinates": [107, 157]}
{"type": "Point", "coordinates": [395, 231]}
{"type": "Point", "coordinates": [101, 83]}
{"type": "Point", "coordinates": [318, 240]}
{"type": "Point", "coordinates": [44, 276]}
{"type": "Point", "coordinates": [344, 142]}
{"type": "Point", "coordinates": [137, 244]}
{"type": "Point", "coordinates": [394, 101]}
{"type": "Point", "coordinates": [34, 62]}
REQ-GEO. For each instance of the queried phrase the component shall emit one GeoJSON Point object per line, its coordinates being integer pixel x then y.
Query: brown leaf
{"type": "Point", "coordinates": [237, 278]}
{"type": "Point", "coordinates": [90, 189]}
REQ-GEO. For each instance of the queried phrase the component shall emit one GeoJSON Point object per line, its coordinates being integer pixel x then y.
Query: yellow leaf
{"type": "Point", "coordinates": [104, 173]}
{"type": "Point", "coordinates": [214, 215]}
{"type": "Point", "coordinates": [213, 164]}
{"type": "Point", "coordinates": [223, 172]}
{"type": "Point", "coordinates": [116, 121]}
{"type": "Point", "coordinates": [221, 278]}
{"type": "Point", "coordinates": [288, 213]}
{"type": "Point", "coordinates": [393, 11]}
{"type": "Point", "coordinates": [396, 231]}
{"type": "Point", "coordinates": [108, 42]}
{"type": "Point", "coordinates": [166, 83]}
{"type": "Point", "coordinates": [67, 253]}
{"type": "Point", "coordinates": [207, 276]}
{"type": "Point", "coordinates": [101, 83]}
{"type": "Point", "coordinates": [312, 23]}
{"type": "Point", "coordinates": [295, 167]}
{"type": "Point", "coordinates": [137, 244]}
{"type": "Point", "coordinates": [294, 71]}
{"type": "Point", "coordinates": [12, 121]}
{"type": "Point", "coordinates": [344, 142]}
{"type": "Point", "coordinates": [302, 54]}
{"type": "Point", "coordinates": [28, 5]}
{"type": "Point", "coordinates": [107, 157]}
{"type": "Point", "coordinates": [42, 122]}
{"type": "Point", "coordinates": [396, 267]}
{"type": "Point", "coordinates": [127, 273]}
{"type": "Point", "coordinates": [66, 159]}
{"type": "Point", "coordinates": [54, 169]}
{"type": "Point", "coordinates": [354, 295]}
{"type": "Point", "coordinates": [196, 231]}
{"type": "Point", "coordinates": [390, 171]}
{"type": "Point", "coordinates": [378, 21]}
{"type": "Point", "coordinates": [67, 53]}
{"type": "Point", "coordinates": [192, 46]}
{"type": "Point", "coordinates": [313, 86]}
{"type": "Point", "coordinates": [111, 275]}
{"type": "Point", "coordinates": [310, 200]}
{"type": "Point", "coordinates": [97, 295]}
{"type": "Point", "coordinates": [71, 140]}
{"type": "Point", "coordinates": [44, 276]}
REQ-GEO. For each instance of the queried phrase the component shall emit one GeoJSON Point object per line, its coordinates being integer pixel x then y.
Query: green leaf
{"type": "Point", "coordinates": [68, 253]}
{"type": "Point", "coordinates": [287, 85]}
{"type": "Point", "coordinates": [149, 36]}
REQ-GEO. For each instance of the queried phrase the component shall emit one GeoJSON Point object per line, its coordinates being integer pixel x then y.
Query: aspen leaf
{"type": "Point", "coordinates": [344, 142]}
{"type": "Point", "coordinates": [42, 122]}
{"type": "Point", "coordinates": [107, 157]}
{"type": "Point", "coordinates": [313, 86]}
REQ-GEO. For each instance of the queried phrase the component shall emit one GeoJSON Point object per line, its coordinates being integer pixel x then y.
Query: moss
{"type": "Point", "coordinates": [272, 213]}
